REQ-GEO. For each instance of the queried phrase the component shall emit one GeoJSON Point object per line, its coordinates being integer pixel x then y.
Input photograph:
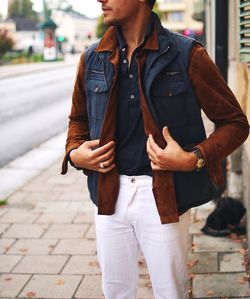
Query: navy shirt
{"type": "Point", "coordinates": [131, 155]}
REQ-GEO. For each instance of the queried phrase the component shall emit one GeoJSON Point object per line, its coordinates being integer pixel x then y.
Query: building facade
{"type": "Point", "coordinates": [177, 15]}
{"type": "Point", "coordinates": [77, 30]}
{"type": "Point", "coordinates": [25, 33]}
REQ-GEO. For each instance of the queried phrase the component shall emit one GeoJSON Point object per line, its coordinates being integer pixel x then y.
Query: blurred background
{"type": "Point", "coordinates": [40, 44]}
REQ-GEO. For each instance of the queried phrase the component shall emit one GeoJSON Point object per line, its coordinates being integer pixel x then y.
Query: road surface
{"type": "Point", "coordinates": [33, 108]}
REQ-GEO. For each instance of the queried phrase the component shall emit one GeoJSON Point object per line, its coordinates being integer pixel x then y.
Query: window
{"type": "Point", "coordinates": [244, 20]}
{"type": "Point", "coordinates": [175, 17]}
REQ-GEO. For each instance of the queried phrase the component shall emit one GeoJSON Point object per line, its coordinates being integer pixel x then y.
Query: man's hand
{"type": "Point", "coordinates": [100, 159]}
{"type": "Point", "coordinates": [172, 157]}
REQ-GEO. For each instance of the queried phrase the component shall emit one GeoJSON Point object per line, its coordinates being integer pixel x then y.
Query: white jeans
{"type": "Point", "coordinates": [136, 225]}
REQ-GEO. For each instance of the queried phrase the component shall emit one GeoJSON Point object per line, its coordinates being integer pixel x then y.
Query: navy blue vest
{"type": "Point", "coordinates": [171, 101]}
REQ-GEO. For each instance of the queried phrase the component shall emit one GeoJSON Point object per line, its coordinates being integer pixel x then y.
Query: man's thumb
{"type": "Point", "coordinates": [166, 134]}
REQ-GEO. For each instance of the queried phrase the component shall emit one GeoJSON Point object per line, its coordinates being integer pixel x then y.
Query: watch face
{"type": "Point", "coordinates": [200, 163]}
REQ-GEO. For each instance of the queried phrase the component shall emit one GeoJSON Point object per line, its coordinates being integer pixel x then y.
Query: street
{"type": "Point", "coordinates": [33, 108]}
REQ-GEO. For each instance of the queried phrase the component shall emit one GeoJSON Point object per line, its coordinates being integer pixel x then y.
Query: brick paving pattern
{"type": "Point", "coordinates": [47, 246]}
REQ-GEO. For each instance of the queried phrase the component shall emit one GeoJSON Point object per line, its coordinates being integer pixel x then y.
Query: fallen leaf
{"type": "Point", "coordinates": [233, 236]}
{"type": "Point", "coordinates": [94, 264]}
{"type": "Point", "coordinates": [192, 263]}
{"type": "Point", "coordinates": [237, 241]}
{"type": "Point", "coordinates": [242, 280]}
{"type": "Point", "coordinates": [193, 246]}
{"type": "Point", "coordinates": [190, 290]}
{"type": "Point", "coordinates": [242, 251]}
{"type": "Point", "coordinates": [246, 261]}
{"type": "Point", "coordinates": [197, 220]}
{"type": "Point", "coordinates": [210, 293]}
{"type": "Point", "coordinates": [148, 285]}
{"type": "Point", "coordinates": [142, 263]}
{"type": "Point", "coordinates": [23, 249]}
{"type": "Point", "coordinates": [31, 294]}
{"type": "Point", "coordinates": [8, 278]}
{"type": "Point", "coordinates": [191, 276]}
{"type": "Point", "coordinates": [60, 282]}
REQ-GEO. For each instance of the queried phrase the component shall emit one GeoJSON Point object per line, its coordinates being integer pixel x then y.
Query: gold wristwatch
{"type": "Point", "coordinates": [201, 161]}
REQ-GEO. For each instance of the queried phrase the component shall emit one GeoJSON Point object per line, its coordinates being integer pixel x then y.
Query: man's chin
{"type": "Point", "coordinates": [110, 22]}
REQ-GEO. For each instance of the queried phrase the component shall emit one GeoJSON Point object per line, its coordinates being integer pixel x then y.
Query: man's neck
{"type": "Point", "coordinates": [134, 31]}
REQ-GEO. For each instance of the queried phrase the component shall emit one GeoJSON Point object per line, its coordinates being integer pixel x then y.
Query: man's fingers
{"type": "Point", "coordinates": [154, 166]}
{"type": "Point", "coordinates": [106, 156]}
{"type": "Point", "coordinates": [153, 149]}
{"type": "Point", "coordinates": [103, 149]}
{"type": "Point", "coordinates": [92, 143]}
{"type": "Point", "coordinates": [107, 162]}
{"type": "Point", "coordinates": [106, 169]}
{"type": "Point", "coordinates": [151, 158]}
{"type": "Point", "coordinates": [151, 153]}
{"type": "Point", "coordinates": [153, 145]}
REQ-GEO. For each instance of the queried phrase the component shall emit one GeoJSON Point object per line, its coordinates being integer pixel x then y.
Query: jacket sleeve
{"type": "Point", "coordinates": [221, 107]}
{"type": "Point", "coordinates": [78, 128]}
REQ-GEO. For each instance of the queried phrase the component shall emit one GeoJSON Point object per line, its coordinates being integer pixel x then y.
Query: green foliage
{"type": "Point", "coordinates": [22, 8]}
{"type": "Point", "coordinates": [3, 202]}
{"type": "Point", "coordinates": [101, 27]}
{"type": "Point", "coordinates": [156, 10]}
{"type": "Point", "coordinates": [18, 57]}
{"type": "Point", "coordinates": [6, 43]}
{"type": "Point", "coordinates": [46, 10]}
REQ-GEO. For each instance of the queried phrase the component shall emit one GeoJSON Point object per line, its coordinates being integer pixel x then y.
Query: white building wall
{"type": "Point", "coordinates": [75, 29]}
{"type": "Point", "coordinates": [177, 15]}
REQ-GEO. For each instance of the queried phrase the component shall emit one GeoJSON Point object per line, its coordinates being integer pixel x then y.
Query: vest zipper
{"type": "Point", "coordinates": [162, 53]}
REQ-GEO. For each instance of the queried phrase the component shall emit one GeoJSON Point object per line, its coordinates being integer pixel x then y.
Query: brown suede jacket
{"type": "Point", "coordinates": [214, 97]}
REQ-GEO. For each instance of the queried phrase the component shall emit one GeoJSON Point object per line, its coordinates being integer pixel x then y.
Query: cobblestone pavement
{"type": "Point", "coordinates": [47, 246]}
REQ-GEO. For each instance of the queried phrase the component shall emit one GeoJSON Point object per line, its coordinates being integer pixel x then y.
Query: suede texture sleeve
{"type": "Point", "coordinates": [78, 128]}
{"type": "Point", "coordinates": [221, 107]}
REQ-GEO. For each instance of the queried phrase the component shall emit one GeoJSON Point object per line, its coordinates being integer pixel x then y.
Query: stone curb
{"type": "Point", "coordinates": [21, 170]}
{"type": "Point", "coordinates": [31, 68]}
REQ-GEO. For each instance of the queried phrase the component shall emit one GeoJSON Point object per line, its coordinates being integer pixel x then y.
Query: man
{"type": "Point", "coordinates": [136, 131]}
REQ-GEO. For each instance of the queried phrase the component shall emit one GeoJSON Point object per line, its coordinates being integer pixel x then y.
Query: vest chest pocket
{"type": "Point", "coordinates": [170, 100]}
{"type": "Point", "coordinates": [97, 97]}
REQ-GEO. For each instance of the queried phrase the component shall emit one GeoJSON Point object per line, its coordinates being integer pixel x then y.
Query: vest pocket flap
{"type": "Point", "coordinates": [97, 86]}
{"type": "Point", "coordinates": [169, 89]}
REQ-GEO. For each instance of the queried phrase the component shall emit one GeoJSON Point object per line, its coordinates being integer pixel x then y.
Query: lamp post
{"type": "Point", "coordinates": [49, 28]}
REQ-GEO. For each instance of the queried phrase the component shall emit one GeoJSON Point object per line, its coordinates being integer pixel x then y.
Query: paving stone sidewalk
{"type": "Point", "coordinates": [47, 246]}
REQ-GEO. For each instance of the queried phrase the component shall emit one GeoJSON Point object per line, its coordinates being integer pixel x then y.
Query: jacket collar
{"type": "Point", "coordinates": [109, 41]}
